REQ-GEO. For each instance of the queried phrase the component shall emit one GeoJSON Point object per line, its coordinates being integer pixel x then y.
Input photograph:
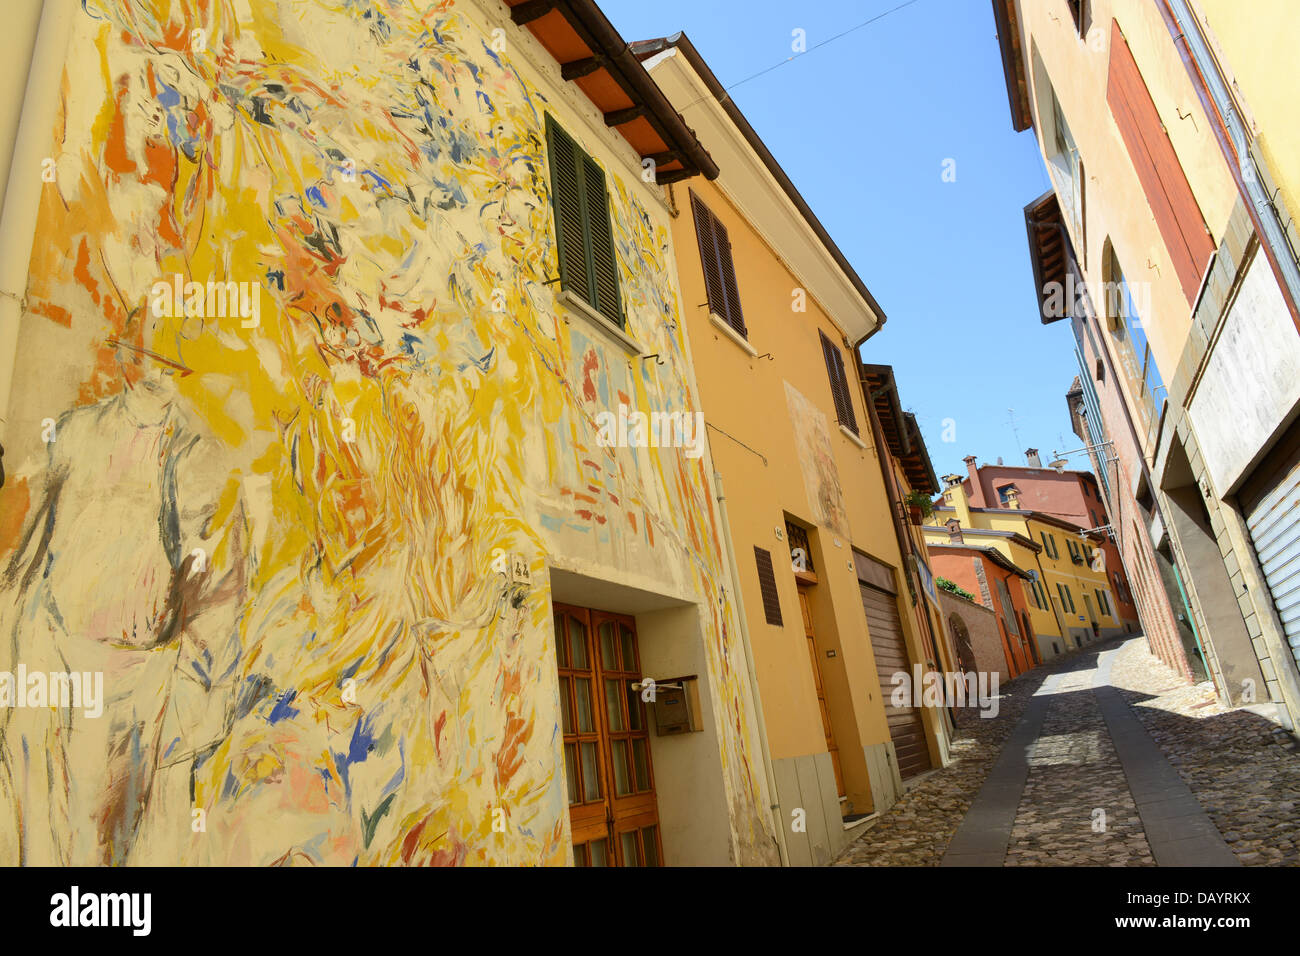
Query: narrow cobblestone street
{"type": "Point", "coordinates": [1104, 759]}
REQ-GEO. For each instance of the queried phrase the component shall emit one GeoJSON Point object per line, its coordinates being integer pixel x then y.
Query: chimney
{"type": "Point", "coordinates": [976, 489]}
{"type": "Point", "coordinates": [1031, 456]}
{"type": "Point", "coordinates": [954, 531]}
{"type": "Point", "coordinates": [955, 495]}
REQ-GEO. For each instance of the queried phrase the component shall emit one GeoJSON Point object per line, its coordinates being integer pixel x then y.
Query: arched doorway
{"type": "Point", "coordinates": [961, 637]}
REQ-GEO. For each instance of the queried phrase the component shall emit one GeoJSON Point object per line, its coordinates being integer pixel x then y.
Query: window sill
{"type": "Point", "coordinates": [722, 326]}
{"type": "Point", "coordinates": [854, 438]}
{"type": "Point", "coordinates": [576, 304]}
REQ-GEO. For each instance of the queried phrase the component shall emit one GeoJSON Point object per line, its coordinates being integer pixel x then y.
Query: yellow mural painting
{"type": "Point", "coordinates": [311, 384]}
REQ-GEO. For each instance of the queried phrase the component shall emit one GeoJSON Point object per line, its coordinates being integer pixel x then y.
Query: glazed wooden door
{"type": "Point", "coordinates": [821, 690]}
{"type": "Point", "coordinates": [610, 778]}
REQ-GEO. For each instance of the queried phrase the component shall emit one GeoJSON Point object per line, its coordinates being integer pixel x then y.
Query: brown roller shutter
{"type": "Point", "coordinates": [906, 728]}
{"type": "Point", "coordinates": [1167, 191]}
{"type": "Point", "coordinates": [767, 586]}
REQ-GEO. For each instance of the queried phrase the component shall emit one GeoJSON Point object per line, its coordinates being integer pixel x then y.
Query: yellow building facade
{"type": "Point", "coordinates": [366, 573]}
{"type": "Point", "coordinates": [775, 316]}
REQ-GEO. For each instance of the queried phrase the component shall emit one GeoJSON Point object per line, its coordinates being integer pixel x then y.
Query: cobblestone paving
{"type": "Point", "coordinates": [1076, 809]}
{"type": "Point", "coordinates": [1244, 772]}
{"type": "Point", "coordinates": [916, 830]}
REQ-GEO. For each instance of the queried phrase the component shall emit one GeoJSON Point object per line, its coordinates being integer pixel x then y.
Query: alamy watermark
{"type": "Point", "coordinates": [935, 689]}
{"type": "Point", "coordinates": [632, 429]}
{"type": "Point", "coordinates": [130, 910]}
{"type": "Point", "coordinates": [215, 300]}
{"type": "Point", "coordinates": [54, 689]}
{"type": "Point", "coordinates": [1064, 299]}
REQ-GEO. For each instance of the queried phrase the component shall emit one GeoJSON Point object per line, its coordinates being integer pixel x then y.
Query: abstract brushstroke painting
{"type": "Point", "coordinates": [304, 381]}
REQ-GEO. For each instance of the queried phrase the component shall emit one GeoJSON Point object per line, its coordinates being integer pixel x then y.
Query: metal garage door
{"type": "Point", "coordinates": [1274, 523]}
{"type": "Point", "coordinates": [906, 729]}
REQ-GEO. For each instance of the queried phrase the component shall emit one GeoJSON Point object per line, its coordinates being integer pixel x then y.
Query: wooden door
{"type": "Point", "coordinates": [610, 778]}
{"type": "Point", "coordinates": [821, 691]}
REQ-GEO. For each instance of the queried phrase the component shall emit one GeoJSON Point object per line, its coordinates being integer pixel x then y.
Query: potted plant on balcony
{"type": "Point", "coordinates": [918, 506]}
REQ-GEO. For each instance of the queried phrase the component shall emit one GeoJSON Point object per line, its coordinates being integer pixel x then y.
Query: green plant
{"type": "Point", "coordinates": [954, 589]}
{"type": "Point", "coordinates": [919, 500]}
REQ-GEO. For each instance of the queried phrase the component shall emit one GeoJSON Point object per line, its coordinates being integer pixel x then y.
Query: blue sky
{"type": "Point", "coordinates": [863, 126]}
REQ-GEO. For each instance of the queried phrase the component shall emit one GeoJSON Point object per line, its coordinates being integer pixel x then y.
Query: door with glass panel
{"type": "Point", "coordinates": [610, 779]}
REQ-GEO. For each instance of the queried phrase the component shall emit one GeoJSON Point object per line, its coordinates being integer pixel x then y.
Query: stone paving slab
{"type": "Point", "coordinates": [982, 837]}
{"type": "Point", "coordinates": [1076, 809]}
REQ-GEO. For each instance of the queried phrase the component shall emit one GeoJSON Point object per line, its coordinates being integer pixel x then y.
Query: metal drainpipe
{"type": "Point", "coordinates": [1251, 178]}
{"type": "Point", "coordinates": [775, 808]}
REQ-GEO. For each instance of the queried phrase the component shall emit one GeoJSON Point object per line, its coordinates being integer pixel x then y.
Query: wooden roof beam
{"type": "Point", "coordinates": [531, 10]}
{"type": "Point", "coordinates": [620, 117]}
{"type": "Point", "coordinates": [577, 69]}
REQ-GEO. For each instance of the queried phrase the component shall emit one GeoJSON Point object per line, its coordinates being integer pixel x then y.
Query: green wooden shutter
{"type": "Point", "coordinates": [602, 257]}
{"type": "Point", "coordinates": [566, 195]}
{"type": "Point", "coordinates": [583, 231]}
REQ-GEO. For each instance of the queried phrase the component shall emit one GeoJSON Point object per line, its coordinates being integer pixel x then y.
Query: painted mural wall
{"type": "Point", "coordinates": [291, 385]}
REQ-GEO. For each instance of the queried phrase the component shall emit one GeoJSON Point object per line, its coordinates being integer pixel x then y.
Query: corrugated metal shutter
{"type": "Point", "coordinates": [1274, 523]}
{"type": "Point", "coordinates": [906, 728]}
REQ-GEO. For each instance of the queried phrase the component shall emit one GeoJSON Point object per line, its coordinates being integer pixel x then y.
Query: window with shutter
{"type": "Point", "coordinates": [839, 384]}
{"type": "Point", "coordinates": [1164, 183]}
{"type": "Point", "coordinates": [583, 231]}
{"type": "Point", "coordinates": [719, 266]}
{"type": "Point", "coordinates": [767, 586]}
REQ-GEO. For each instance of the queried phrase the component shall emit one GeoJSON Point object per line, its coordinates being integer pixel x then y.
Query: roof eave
{"type": "Point", "coordinates": [1013, 64]}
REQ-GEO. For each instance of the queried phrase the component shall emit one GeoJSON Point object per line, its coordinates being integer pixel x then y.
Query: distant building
{"type": "Point", "coordinates": [1071, 599]}
{"type": "Point", "coordinates": [999, 585]}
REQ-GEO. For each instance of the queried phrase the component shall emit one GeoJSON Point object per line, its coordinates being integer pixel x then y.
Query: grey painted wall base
{"type": "Point", "coordinates": [807, 784]}
{"type": "Point", "coordinates": [882, 767]}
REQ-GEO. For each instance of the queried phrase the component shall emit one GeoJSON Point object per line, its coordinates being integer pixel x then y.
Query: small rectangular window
{"type": "Point", "coordinates": [767, 586]}
{"type": "Point", "coordinates": [1081, 15]}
